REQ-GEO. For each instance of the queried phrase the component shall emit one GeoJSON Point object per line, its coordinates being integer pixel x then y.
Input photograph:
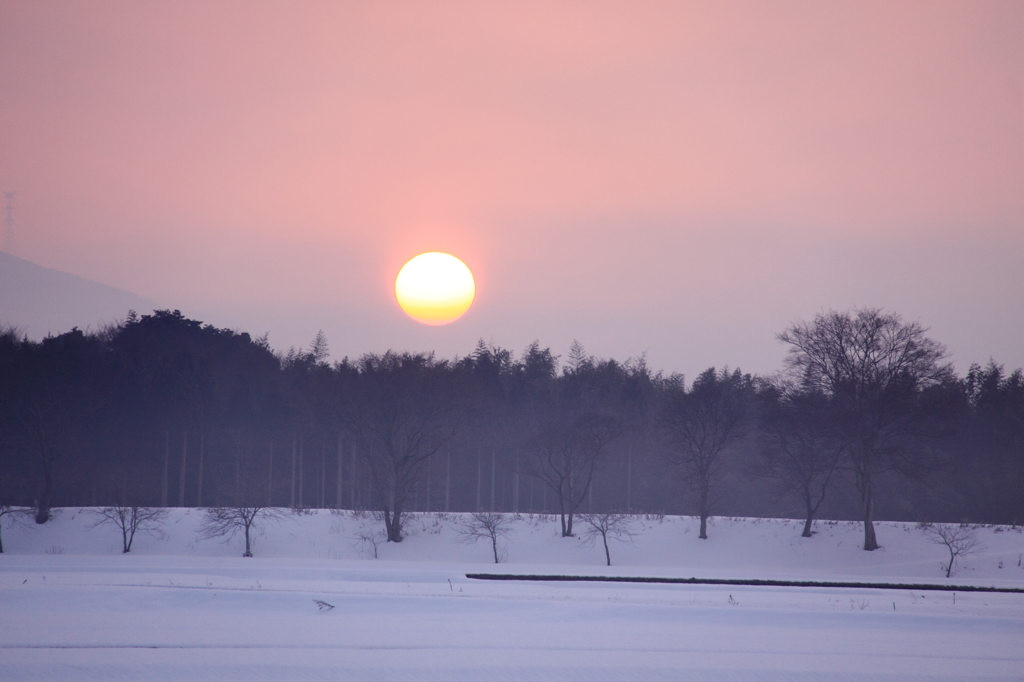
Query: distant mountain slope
{"type": "Point", "coordinates": [43, 301]}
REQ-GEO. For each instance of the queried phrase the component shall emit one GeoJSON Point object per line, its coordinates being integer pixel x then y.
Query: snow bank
{"type": "Point", "coordinates": [663, 546]}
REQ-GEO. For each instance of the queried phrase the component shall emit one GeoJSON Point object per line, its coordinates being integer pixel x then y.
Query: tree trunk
{"type": "Point", "coordinates": [561, 515]}
{"type": "Point", "coordinates": [165, 474]}
{"type": "Point", "coordinates": [562, 498]}
{"type": "Point", "coordinates": [181, 474]}
{"type": "Point", "coordinates": [810, 513]}
{"type": "Point", "coordinates": [295, 454]}
{"type": "Point", "coordinates": [393, 516]}
{"type": "Point", "coordinates": [302, 452]}
{"type": "Point", "coordinates": [199, 484]}
{"type": "Point", "coordinates": [868, 510]}
{"type": "Point", "coordinates": [607, 554]}
{"type": "Point", "coordinates": [426, 507]}
{"type": "Point", "coordinates": [703, 513]}
{"type": "Point", "coordinates": [393, 525]}
{"type": "Point", "coordinates": [270, 474]}
{"type": "Point", "coordinates": [352, 477]}
{"type": "Point", "coordinates": [515, 493]}
{"type": "Point", "coordinates": [629, 480]}
{"type": "Point", "coordinates": [494, 546]}
{"type": "Point", "coordinates": [46, 497]}
{"type": "Point", "coordinates": [322, 502]}
{"type": "Point", "coordinates": [870, 541]}
{"type": "Point", "coordinates": [248, 547]}
{"type": "Point", "coordinates": [337, 496]}
{"type": "Point", "coordinates": [238, 462]}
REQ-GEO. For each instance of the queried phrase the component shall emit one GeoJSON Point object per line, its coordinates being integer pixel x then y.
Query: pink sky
{"type": "Point", "coordinates": [684, 180]}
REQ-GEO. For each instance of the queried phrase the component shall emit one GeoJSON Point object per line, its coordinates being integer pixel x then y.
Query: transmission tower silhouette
{"type": "Point", "coordinates": [9, 245]}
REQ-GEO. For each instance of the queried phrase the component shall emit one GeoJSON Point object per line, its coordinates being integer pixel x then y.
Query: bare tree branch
{"type": "Point", "coordinates": [960, 540]}
{"type": "Point", "coordinates": [608, 525]}
{"type": "Point", "coordinates": [130, 520]}
{"type": "Point", "coordinates": [485, 526]}
{"type": "Point", "coordinates": [873, 366]}
{"type": "Point", "coordinates": [226, 522]}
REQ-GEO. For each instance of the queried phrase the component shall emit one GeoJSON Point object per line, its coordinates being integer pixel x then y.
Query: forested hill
{"type": "Point", "coordinates": [40, 300]}
{"type": "Point", "coordinates": [164, 410]}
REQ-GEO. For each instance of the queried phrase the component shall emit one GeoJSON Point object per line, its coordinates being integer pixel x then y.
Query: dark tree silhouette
{"type": "Point", "coordinates": [79, 412]}
{"type": "Point", "coordinates": [604, 526]}
{"type": "Point", "coordinates": [565, 455]}
{"type": "Point", "coordinates": [798, 446]}
{"type": "Point", "coordinates": [130, 520]}
{"type": "Point", "coordinates": [61, 384]}
{"type": "Point", "coordinates": [488, 526]}
{"type": "Point", "coordinates": [989, 461]}
{"type": "Point", "coordinates": [874, 367]}
{"type": "Point", "coordinates": [227, 522]}
{"type": "Point", "coordinates": [701, 425]}
{"type": "Point", "coordinates": [575, 421]}
{"type": "Point", "coordinates": [958, 539]}
{"type": "Point", "coordinates": [403, 408]}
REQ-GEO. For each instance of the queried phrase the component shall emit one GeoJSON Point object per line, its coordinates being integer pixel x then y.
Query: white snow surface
{"type": "Point", "coordinates": [180, 608]}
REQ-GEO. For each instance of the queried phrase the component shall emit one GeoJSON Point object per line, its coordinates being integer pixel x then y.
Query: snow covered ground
{"type": "Point", "coordinates": [179, 608]}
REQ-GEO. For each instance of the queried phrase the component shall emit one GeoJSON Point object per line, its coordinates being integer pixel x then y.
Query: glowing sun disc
{"type": "Point", "coordinates": [435, 288]}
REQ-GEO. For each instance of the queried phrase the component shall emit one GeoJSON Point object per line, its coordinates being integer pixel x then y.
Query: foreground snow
{"type": "Point", "coordinates": [74, 608]}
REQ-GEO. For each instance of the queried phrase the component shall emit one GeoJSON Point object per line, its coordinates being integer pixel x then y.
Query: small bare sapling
{"type": "Point", "coordinates": [225, 522]}
{"type": "Point", "coordinates": [485, 526]}
{"type": "Point", "coordinates": [16, 515]}
{"type": "Point", "coordinates": [371, 539]}
{"type": "Point", "coordinates": [131, 520]}
{"type": "Point", "coordinates": [959, 539]}
{"type": "Point", "coordinates": [604, 526]}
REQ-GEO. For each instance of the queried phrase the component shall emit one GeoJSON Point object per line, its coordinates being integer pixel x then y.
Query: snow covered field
{"type": "Point", "coordinates": [178, 608]}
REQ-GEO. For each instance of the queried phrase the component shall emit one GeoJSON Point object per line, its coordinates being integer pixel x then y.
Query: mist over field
{"type": "Point", "coordinates": [311, 313]}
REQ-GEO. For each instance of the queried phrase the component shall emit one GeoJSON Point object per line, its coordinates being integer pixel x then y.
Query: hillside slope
{"type": "Point", "coordinates": [40, 300]}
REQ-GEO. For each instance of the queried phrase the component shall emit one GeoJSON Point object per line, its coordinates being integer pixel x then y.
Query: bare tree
{"type": "Point", "coordinates": [485, 526]}
{"type": "Point", "coordinates": [798, 446]}
{"type": "Point", "coordinates": [701, 424]}
{"type": "Point", "coordinates": [16, 514]}
{"type": "Point", "coordinates": [607, 525]}
{"type": "Point", "coordinates": [959, 539]}
{"type": "Point", "coordinates": [873, 367]}
{"type": "Point", "coordinates": [130, 520]}
{"type": "Point", "coordinates": [403, 409]}
{"type": "Point", "coordinates": [371, 539]}
{"type": "Point", "coordinates": [226, 522]}
{"type": "Point", "coordinates": [564, 456]}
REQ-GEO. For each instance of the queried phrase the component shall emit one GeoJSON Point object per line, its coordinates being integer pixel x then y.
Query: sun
{"type": "Point", "coordinates": [435, 288]}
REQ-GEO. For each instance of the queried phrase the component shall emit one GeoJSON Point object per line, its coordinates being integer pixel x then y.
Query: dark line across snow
{"type": "Point", "coordinates": [923, 587]}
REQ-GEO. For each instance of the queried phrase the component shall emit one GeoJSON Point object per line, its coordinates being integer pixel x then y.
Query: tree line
{"type": "Point", "coordinates": [866, 419]}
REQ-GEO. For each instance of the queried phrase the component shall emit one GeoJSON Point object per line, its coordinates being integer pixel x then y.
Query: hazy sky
{"type": "Point", "coordinates": [679, 179]}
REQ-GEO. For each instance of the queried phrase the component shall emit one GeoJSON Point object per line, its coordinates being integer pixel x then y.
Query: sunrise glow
{"type": "Point", "coordinates": [435, 288]}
